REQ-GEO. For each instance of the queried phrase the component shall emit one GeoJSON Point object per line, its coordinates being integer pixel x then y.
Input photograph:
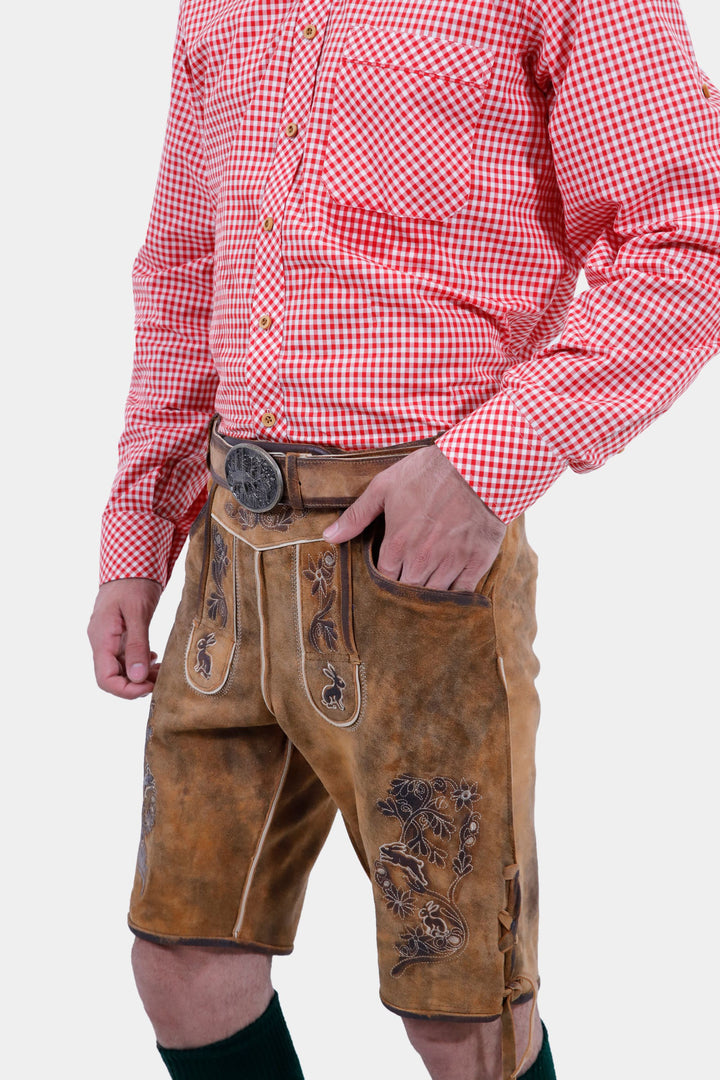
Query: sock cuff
{"type": "Point", "coordinates": [543, 1068]}
{"type": "Point", "coordinates": [264, 1045]}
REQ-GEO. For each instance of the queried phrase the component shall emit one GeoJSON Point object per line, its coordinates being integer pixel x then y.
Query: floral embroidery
{"type": "Point", "coordinates": [332, 696]}
{"type": "Point", "coordinates": [322, 630]}
{"type": "Point", "coordinates": [204, 659]}
{"type": "Point", "coordinates": [434, 816]}
{"type": "Point", "coordinates": [149, 806]}
{"type": "Point", "coordinates": [280, 518]}
{"type": "Point", "coordinates": [217, 603]}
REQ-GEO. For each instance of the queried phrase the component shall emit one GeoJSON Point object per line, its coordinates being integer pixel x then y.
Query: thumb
{"type": "Point", "coordinates": [359, 514]}
{"type": "Point", "coordinates": [137, 646]}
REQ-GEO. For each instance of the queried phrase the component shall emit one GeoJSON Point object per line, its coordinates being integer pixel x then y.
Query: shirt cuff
{"type": "Point", "coordinates": [136, 545]}
{"type": "Point", "coordinates": [502, 457]}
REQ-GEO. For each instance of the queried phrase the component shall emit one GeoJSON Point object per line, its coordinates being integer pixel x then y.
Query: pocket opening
{"type": "Point", "coordinates": [372, 540]}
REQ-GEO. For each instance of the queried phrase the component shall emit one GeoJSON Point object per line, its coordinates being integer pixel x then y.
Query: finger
{"type": "Point", "coordinates": [445, 576]}
{"type": "Point", "coordinates": [391, 555]}
{"type": "Point", "coordinates": [419, 563]}
{"type": "Point", "coordinates": [358, 515]}
{"type": "Point", "coordinates": [467, 581]}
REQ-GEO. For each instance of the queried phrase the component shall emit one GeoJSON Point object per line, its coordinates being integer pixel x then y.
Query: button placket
{"type": "Point", "coordinates": [268, 301]}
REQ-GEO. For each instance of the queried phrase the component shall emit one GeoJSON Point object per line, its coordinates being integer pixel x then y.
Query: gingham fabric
{"type": "Point", "coordinates": [368, 228]}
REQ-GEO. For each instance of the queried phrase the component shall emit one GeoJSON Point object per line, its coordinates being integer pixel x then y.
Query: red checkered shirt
{"type": "Point", "coordinates": [368, 228]}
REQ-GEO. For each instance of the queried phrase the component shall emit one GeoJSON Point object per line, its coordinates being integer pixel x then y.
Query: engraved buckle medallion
{"type": "Point", "coordinates": [254, 477]}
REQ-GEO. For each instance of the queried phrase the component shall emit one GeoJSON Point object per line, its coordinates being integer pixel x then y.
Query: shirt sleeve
{"type": "Point", "coordinates": [634, 127]}
{"type": "Point", "coordinates": [160, 483]}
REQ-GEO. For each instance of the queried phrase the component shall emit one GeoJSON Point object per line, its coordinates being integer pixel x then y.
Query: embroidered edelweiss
{"type": "Point", "coordinates": [464, 795]}
{"type": "Point", "coordinates": [321, 572]}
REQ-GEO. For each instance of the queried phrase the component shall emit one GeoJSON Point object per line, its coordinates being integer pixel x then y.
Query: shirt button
{"type": "Point", "coordinates": [268, 224]}
{"type": "Point", "coordinates": [706, 90]}
{"type": "Point", "coordinates": [291, 130]}
{"type": "Point", "coordinates": [265, 322]}
{"type": "Point", "coordinates": [268, 419]}
{"type": "Point", "coordinates": [310, 32]}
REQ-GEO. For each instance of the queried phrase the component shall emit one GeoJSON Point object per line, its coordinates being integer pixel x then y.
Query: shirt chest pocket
{"type": "Point", "coordinates": [404, 120]}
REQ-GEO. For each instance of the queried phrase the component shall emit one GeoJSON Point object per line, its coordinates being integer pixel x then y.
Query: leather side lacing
{"type": "Point", "coordinates": [508, 919]}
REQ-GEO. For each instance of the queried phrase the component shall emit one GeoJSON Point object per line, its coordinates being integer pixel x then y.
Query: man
{"type": "Point", "coordinates": [358, 281]}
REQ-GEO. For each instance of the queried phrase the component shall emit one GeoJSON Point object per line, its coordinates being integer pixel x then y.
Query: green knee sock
{"type": "Point", "coordinates": [261, 1051]}
{"type": "Point", "coordinates": [543, 1067]}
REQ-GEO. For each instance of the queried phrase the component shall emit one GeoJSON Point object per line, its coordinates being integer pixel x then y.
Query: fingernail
{"type": "Point", "coordinates": [332, 530]}
{"type": "Point", "coordinates": [137, 671]}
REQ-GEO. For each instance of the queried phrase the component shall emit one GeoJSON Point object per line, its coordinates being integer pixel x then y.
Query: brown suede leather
{"type": "Point", "coordinates": [298, 680]}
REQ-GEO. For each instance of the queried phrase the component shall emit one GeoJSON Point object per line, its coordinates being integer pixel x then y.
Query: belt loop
{"type": "Point", "coordinates": [292, 483]}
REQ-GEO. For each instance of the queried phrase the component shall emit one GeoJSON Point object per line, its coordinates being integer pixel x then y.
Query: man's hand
{"type": "Point", "coordinates": [438, 532]}
{"type": "Point", "coordinates": [118, 633]}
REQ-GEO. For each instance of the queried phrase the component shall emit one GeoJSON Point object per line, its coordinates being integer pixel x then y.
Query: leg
{"type": "Point", "coordinates": [462, 1050]}
{"type": "Point", "coordinates": [195, 996]}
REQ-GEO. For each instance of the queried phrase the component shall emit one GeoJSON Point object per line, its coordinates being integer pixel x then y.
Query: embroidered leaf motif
{"type": "Point", "coordinates": [329, 634]}
{"type": "Point", "coordinates": [437, 856]}
{"type": "Point", "coordinates": [217, 608]}
{"type": "Point", "coordinates": [220, 561]}
{"type": "Point", "coordinates": [462, 863]}
{"type": "Point", "coordinates": [322, 630]}
{"type": "Point", "coordinates": [279, 519]}
{"type": "Point", "coordinates": [217, 604]}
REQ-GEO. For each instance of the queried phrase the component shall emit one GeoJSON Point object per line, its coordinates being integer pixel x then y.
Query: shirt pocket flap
{"type": "Point", "coordinates": [437, 56]}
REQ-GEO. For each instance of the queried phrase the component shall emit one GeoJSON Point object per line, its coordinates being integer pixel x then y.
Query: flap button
{"type": "Point", "coordinates": [265, 322]}
{"type": "Point", "coordinates": [268, 419]}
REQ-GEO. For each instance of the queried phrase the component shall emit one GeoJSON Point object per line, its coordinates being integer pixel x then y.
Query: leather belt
{"type": "Point", "coordinates": [261, 474]}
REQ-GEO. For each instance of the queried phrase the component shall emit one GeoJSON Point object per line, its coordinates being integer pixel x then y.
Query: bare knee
{"type": "Point", "coordinates": [456, 1050]}
{"type": "Point", "coordinates": [195, 995]}
{"type": "Point", "coordinates": [467, 1050]}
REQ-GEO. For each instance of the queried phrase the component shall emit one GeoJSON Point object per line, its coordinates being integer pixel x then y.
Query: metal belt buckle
{"type": "Point", "coordinates": [254, 477]}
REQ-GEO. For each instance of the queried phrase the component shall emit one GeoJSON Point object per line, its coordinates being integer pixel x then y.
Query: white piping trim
{"type": "Point", "coordinates": [263, 547]}
{"type": "Point", "coordinates": [261, 842]}
{"type": "Point", "coordinates": [263, 665]}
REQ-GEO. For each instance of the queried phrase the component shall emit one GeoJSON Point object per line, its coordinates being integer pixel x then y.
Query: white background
{"type": "Point", "coordinates": [628, 605]}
